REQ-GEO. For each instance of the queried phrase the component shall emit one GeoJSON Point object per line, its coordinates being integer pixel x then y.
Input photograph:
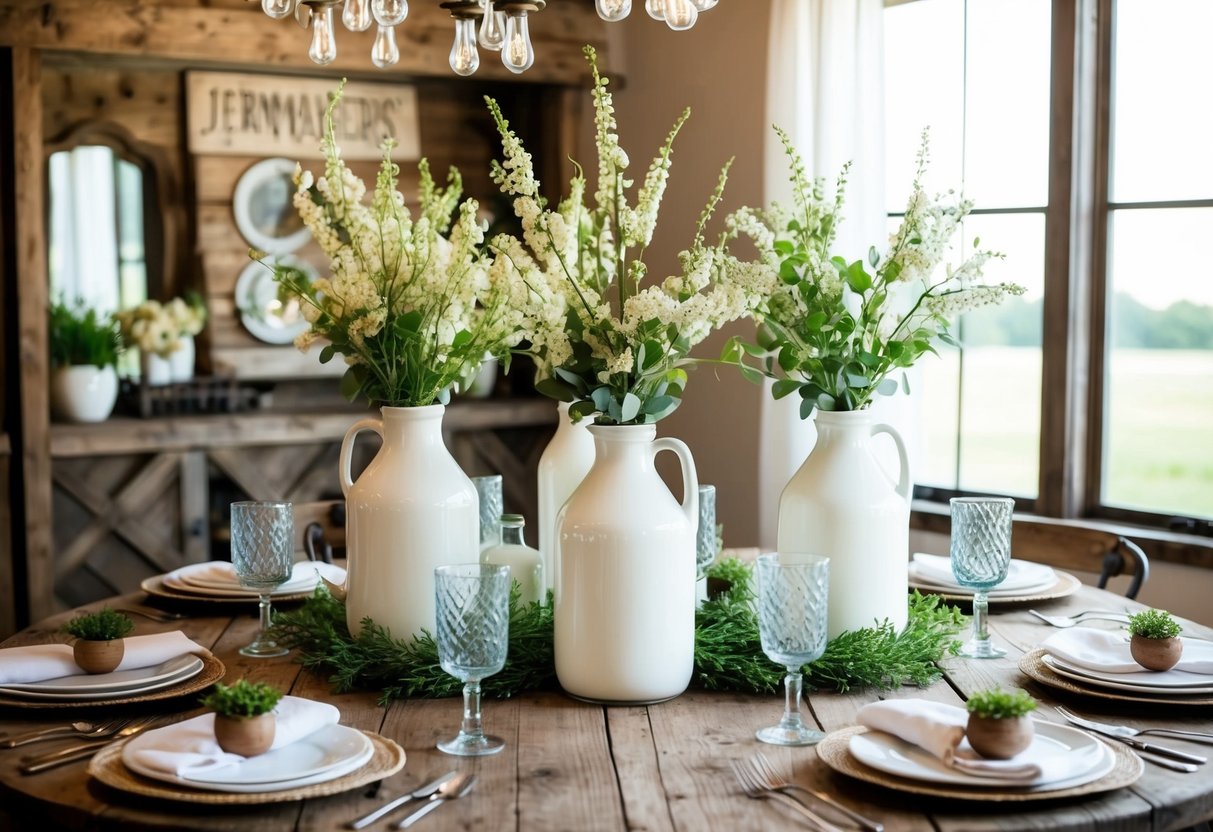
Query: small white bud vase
{"type": "Point", "coordinates": [625, 589]}
{"type": "Point", "coordinates": [155, 370]}
{"type": "Point", "coordinates": [565, 462]}
{"type": "Point", "coordinates": [842, 504]}
{"type": "Point", "coordinates": [411, 510]}
{"type": "Point", "coordinates": [525, 563]}
{"type": "Point", "coordinates": [181, 360]}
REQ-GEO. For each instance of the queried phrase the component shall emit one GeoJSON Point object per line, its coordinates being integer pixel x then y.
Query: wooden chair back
{"type": "Point", "coordinates": [1069, 545]}
{"type": "Point", "coordinates": [320, 529]}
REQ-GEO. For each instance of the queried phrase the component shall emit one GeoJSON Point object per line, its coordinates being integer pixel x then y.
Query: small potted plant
{"type": "Point", "coordinates": [84, 355]}
{"type": "Point", "coordinates": [999, 726]}
{"type": "Point", "coordinates": [98, 647]}
{"type": "Point", "coordinates": [1155, 642]}
{"type": "Point", "coordinates": [244, 716]}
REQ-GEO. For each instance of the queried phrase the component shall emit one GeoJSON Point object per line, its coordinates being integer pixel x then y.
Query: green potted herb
{"type": "Point", "coordinates": [99, 647]}
{"type": "Point", "coordinates": [999, 726]}
{"type": "Point", "coordinates": [84, 353]}
{"type": "Point", "coordinates": [1154, 641]}
{"type": "Point", "coordinates": [244, 716]}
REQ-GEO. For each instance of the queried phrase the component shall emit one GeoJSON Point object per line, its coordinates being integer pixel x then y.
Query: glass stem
{"type": "Point", "coordinates": [472, 725]}
{"type": "Point", "coordinates": [791, 707]}
{"type": "Point", "coordinates": [981, 606]}
{"type": "Point", "coordinates": [264, 609]}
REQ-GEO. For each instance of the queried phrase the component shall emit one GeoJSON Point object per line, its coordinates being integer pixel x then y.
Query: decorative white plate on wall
{"type": "Point", "coordinates": [263, 314]}
{"type": "Point", "coordinates": [264, 209]}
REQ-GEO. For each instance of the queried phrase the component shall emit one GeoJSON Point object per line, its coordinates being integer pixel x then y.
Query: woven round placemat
{"type": "Point", "coordinates": [107, 767]}
{"type": "Point", "coordinates": [835, 752]}
{"type": "Point", "coordinates": [155, 586]}
{"type": "Point", "coordinates": [1032, 664]}
{"type": "Point", "coordinates": [212, 671]}
{"type": "Point", "coordinates": [1066, 584]}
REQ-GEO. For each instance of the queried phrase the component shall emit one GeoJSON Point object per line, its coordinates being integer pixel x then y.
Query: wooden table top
{"type": "Point", "coordinates": [574, 766]}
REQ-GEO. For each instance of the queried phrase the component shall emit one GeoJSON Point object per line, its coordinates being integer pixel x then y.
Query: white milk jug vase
{"type": "Point", "coordinates": [842, 504]}
{"type": "Point", "coordinates": [411, 510]}
{"type": "Point", "coordinates": [565, 462]}
{"type": "Point", "coordinates": [625, 590]}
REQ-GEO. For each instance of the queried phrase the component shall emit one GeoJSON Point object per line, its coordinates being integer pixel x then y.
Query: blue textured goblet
{"type": "Point", "coordinates": [981, 555]}
{"type": "Point", "coordinates": [263, 552]}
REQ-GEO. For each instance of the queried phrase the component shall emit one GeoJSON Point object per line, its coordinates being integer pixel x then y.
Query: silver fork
{"type": "Point", "coordinates": [35, 765]}
{"type": "Point", "coordinates": [1064, 621]}
{"type": "Point", "coordinates": [78, 730]}
{"type": "Point", "coordinates": [1126, 731]}
{"type": "Point", "coordinates": [756, 791]}
{"type": "Point", "coordinates": [769, 777]}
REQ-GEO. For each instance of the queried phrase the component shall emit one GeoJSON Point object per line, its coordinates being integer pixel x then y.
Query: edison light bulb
{"type": "Point", "coordinates": [680, 15]}
{"type": "Point", "coordinates": [385, 52]}
{"type": "Point", "coordinates": [276, 9]}
{"type": "Point", "coordinates": [357, 15]}
{"type": "Point", "coordinates": [705, 5]}
{"type": "Point", "coordinates": [517, 54]}
{"type": "Point", "coordinates": [390, 12]}
{"type": "Point", "coordinates": [492, 28]}
{"type": "Point", "coordinates": [613, 10]}
{"type": "Point", "coordinates": [464, 57]}
{"type": "Point", "coordinates": [324, 39]}
{"type": "Point", "coordinates": [655, 8]}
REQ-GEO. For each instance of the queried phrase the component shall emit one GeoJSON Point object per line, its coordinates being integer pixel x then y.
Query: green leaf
{"type": "Point", "coordinates": [351, 384]}
{"type": "Point", "coordinates": [408, 324]}
{"type": "Point", "coordinates": [873, 256]}
{"type": "Point", "coordinates": [825, 401]}
{"type": "Point", "coordinates": [660, 405]}
{"type": "Point", "coordinates": [858, 381]}
{"type": "Point", "coordinates": [573, 380]}
{"type": "Point", "coordinates": [787, 359]}
{"type": "Point", "coordinates": [905, 383]}
{"type": "Point", "coordinates": [784, 387]}
{"type": "Point", "coordinates": [615, 411]}
{"type": "Point", "coordinates": [582, 410]}
{"type": "Point", "coordinates": [783, 247]}
{"type": "Point", "coordinates": [554, 389]}
{"type": "Point", "coordinates": [461, 337]}
{"type": "Point", "coordinates": [857, 278]}
{"type": "Point", "coordinates": [806, 408]}
{"type": "Point", "coordinates": [601, 398]}
{"type": "Point", "coordinates": [750, 374]}
{"type": "Point", "coordinates": [887, 387]}
{"type": "Point", "coordinates": [630, 407]}
{"type": "Point", "coordinates": [326, 354]}
{"type": "Point", "coordinates": [787, 272]}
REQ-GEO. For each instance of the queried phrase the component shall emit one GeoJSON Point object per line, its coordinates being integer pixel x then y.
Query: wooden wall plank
{"type": "Point", "coordinates": [239, 36]}
{"type": "Point", "coordinates": [32, 300]}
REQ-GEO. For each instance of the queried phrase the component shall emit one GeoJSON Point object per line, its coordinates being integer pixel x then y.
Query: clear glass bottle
{"type": "Point", "coordinates": [526, 564]}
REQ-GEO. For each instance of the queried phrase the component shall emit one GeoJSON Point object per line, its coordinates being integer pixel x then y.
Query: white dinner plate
{"type": "Point", "coordinates": [263, 314]}
{"type": "Point", "coordinates": [957, 589]}
{"type": "Point", "coordinates": [1023, 577]}
{"type": "Point", "coordinates": [1090, 759]}
{"type": "Point", "coordinates": [108, 685]}
{"type": "Point", "coordinates": [234, 592]}
{"type": "Point", "coordinates": [1131, 681]}
{"type": "Point", "coordinates": [331, 752]}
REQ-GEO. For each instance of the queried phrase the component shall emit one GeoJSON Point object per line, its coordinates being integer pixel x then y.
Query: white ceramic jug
{"type": "Point", "coordinates": [411, 510]}
{"type": "Point", "coordinates": [843, 505]}
{"type": "Point", "coordinates": [565, 462]}
{"type": "Point", "coordinates": [625, 591]}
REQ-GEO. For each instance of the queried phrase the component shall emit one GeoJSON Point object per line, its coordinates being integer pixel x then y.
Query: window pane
{"type": "Point", "coordinates": [1007, 103]}
{"type": "Point", "coordinates": [923, 40]}
{"type": "Point", "coordinates": [1158, 427]}
{"type": "Point", "coordinates": [1161, 118]}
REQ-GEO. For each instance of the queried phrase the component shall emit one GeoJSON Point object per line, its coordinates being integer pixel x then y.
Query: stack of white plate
{"type": "Point", "coordinates": [933, 573]}
{"type": "Point", "coordinates": [116, 685]}
{"type": "Point", "coordinates": [331, 752]}
{"type": "Point", "coordinates": [1158, 683]}
{"type": "Point", "coordinates": [217, 579]}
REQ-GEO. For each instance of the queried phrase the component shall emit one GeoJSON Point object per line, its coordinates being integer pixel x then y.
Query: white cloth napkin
{"type": "Point", "coordinates": [1022, 575]}
{"type": "Point", "coordinates": [40, 662]}
{"type": "Point", "coordinates": [939, 729]}
{"type": "Point", "coordinates": [1107, 651]}
{"type": "Point", "coordinates": [220, 574]}
{"type": "Point", "coordinates": [189, 748]}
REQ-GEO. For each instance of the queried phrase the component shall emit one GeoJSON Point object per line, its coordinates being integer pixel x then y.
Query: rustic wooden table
{"type": "Point", "coordinates": [573, 766]}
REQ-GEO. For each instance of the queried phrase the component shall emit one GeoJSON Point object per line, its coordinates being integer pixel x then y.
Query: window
{"type": "Point", "coordinates": [981, 78]}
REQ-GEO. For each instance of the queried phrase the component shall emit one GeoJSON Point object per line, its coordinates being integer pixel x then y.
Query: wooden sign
{"type": "Point", "coordinates": [275, 115]}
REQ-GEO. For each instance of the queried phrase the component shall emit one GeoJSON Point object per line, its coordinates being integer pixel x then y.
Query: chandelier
{"type": "Point", "coordinates": [494, 25]}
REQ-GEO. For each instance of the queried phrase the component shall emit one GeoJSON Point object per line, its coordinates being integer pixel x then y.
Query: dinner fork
{"type": "Point", "coordinates": [756, 791]}
{"type": "Point", "coordinates": [1064, 621]}
{"type": "Point", "coordinates": [771, 779]}
{"type": "Point", "coordinates": [72, 753]}
{"type": "Point", "coordinates": [83, 730]}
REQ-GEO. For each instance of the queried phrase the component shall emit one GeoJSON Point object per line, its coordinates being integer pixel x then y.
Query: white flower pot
{"type": "Point", "coordinates": [843, 505]}
{"type": "Point", "coordinates": [154, 370]}
{"type": "Point", "coordinates": [411, 510]}
{"type": "Point", "coordinates": [181, 360]}
{"type": "Point", "coordinates": [625, 592]}
{"type": "Point", "coordinates": [84, 393]}
{"type": "Point", "coordinates": [565, 462]}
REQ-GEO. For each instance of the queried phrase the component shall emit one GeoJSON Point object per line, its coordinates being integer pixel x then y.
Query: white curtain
{"type": "Point", "coordinates": [825, 87]}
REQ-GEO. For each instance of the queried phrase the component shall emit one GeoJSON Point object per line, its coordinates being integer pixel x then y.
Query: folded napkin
{"type": "Point", "coordinates": [1022, 575]}
{"type": "Point", "coordinates": [1108, 651]}
{"type": "Point", "coordinates": [220, 574]}
{"type": "Point", "coordinates": [189, 748]}
{"type": "Point", "coordinates": [939, 729]}
{"type": "Point", "coordinates": [40, 662]}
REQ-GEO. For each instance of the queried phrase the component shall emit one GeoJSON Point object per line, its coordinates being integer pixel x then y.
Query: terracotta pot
{"type": "Point", "coordinates": [1156, 653]}
{"type": "Point", "coordinates": [247, 736]}
{"type": "Point", "coordinates": [999, 739]}
{"type": "Point", "coordinates": [98, 656]}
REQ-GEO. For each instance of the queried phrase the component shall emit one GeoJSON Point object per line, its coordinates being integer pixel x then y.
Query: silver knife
{"type": "Point", "coordinates": [424, 791]}
{"type": "Point", "coordinates": [1161, 750]}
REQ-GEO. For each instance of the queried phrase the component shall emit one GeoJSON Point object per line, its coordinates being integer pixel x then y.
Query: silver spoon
{"type": "Point", "coordinates": [450, 790]}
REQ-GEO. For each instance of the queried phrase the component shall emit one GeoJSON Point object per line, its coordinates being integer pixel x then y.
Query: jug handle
{"type": "Point", "coordinates": [347, 449]}
{"type": "Point", "coordinates": [903, 484]}
{"type": "Point", "coordinates": [690, 480]}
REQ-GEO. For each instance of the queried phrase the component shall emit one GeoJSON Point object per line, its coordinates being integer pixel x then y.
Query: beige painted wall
{"type": "Point", "coordinates": [718, 69]}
